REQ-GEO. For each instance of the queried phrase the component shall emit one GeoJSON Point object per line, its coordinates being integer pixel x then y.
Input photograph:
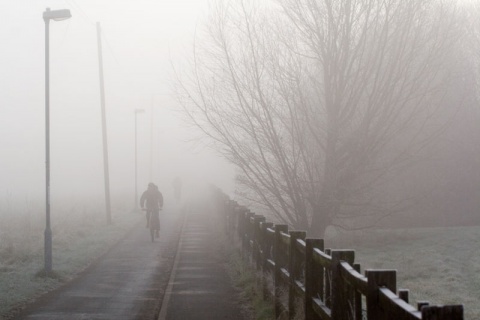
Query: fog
{"type": "Point", "coordinates": [146, 42]}
{"type": "Point", "coordinates": [356, 121]}
{"type": "Point", "coordinates": [141, 42]}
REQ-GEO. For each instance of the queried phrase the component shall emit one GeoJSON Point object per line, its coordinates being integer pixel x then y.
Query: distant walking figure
{"type": "Point", "coordinates": [152, 201]}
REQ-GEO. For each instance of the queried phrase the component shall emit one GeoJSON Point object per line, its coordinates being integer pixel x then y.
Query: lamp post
{"type": "Point", "coordinates": [48, 15]}
{"type": "Point", "coordinates": [137, 111]}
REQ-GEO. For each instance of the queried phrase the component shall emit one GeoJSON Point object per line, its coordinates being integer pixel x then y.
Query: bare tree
{"type": "Point", "coordinates": [318, 102]}
{"type": "Point", "coordinates": [241, 96]}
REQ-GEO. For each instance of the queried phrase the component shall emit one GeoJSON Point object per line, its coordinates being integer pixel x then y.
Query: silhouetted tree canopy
{"type": "Point", "coordinates": [319, 103]}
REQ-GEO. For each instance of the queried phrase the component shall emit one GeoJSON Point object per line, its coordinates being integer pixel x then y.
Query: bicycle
{"type": "Point", "coordinates": [153, 223]}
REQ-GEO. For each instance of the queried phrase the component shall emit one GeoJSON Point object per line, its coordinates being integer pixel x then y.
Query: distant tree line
{"type": "Point", "coordinates": [342, 113]}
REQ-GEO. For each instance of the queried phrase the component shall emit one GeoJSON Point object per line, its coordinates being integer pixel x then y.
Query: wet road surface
{"type": "Point", "coordinates": [128, 283]}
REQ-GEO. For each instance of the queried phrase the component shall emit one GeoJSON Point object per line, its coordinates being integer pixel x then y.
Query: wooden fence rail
{"type": "Point", "coordinates": [299, 273]}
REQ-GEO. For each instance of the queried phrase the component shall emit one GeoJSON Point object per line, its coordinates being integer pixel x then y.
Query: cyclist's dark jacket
{"type": "Point", "coordinates": [152, 199]}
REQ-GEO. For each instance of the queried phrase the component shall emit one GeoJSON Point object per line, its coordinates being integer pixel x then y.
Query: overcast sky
{"type": "Point", "coordinates": [141, 40]}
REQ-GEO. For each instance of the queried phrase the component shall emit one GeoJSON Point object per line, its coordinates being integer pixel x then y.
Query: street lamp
{"type": "Point", "coordinates": [137, 111]}
{"type": "Point", "coordinates": [48, 15]}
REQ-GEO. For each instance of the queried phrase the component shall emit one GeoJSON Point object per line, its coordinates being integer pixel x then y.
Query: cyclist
{"type": "Point", "coordinates": [152, 201]}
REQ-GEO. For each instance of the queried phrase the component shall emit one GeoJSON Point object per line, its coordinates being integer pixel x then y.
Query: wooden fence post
{"type": "Point", "coordinates": [357, 297]}
{"type": "Point", "coordinates": [377, 279]}
{"type": "Point", "coordinates": [247, 234]}
{"type": "Point", "coordinates": [293, 269]}
{"type": "Point", "coordinates": [232, 217]}
{"type": "Point", "coordinates": [421, 304]}
{"type": "Point", "coordinates": [241, 223]}
{"type": "Point", "coordinates": [327, 296]}
{"type": "Point", "coordinates": [403, 294]}
{"type": "Point", "coordinates": [265, 247]}
{"type": "Point", "coordinates": [257, 240]}
{"type": "Point", "coordinates": [313, 278]}
{"type": "Point", "coordinates": [341, 297]}
{"type": "Point", "coordinates": [453, 312]}
{"type": "Point", "coordinates": [279, 228]}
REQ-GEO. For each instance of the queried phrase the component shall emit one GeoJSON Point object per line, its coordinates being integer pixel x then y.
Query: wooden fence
{"type": "Point", "coordinates": [299, 273]}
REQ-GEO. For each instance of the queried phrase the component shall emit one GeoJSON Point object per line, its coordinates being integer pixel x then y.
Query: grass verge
{"type": "Point", "coordinates": [245, 278]}
{"type": "Point", "coordinates": [79, 238]}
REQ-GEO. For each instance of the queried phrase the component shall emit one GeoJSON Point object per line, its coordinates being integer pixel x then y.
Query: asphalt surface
{"type": "Point", "coordinates": [139, 279]}
{"type": "Point", "coordinates": [127, 283]}
{"type": "Point", "coordinates": [200, 287]}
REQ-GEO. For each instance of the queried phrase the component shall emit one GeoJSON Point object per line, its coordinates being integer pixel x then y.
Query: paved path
{"type": "Point", "coordinates": [200, 287]}
{"type": "Point", "coordinates": [128, 283]}
{"type": "Point", "coordinates": [133, 281]}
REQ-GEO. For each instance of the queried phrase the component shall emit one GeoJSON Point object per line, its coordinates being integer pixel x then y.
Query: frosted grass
{"type": "Point", "coordinates": [439, 265]}
{"type": "Point", "coordinates": [80, 235]}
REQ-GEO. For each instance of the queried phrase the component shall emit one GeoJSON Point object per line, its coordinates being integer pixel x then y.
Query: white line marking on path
{"type": "Point", "coordinates": [168, 291]}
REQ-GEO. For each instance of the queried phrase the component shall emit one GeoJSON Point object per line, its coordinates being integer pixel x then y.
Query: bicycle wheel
{"type": "Point", "coordinates": [152, 232]}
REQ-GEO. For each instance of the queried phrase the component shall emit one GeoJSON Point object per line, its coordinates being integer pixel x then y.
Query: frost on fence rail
{"type": "Point", "coordinates": [327, 282]}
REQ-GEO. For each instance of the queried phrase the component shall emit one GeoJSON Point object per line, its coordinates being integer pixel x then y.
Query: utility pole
{"type": "Point", "coordinates": [151, 139]}
{"type": "Point", "coordinates": [104, 128]}
{"type": "Point", "coordinates": [137, 111]}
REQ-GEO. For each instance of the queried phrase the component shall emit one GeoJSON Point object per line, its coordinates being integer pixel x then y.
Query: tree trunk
{"type": "Point", "coordinates": [320, 221]}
